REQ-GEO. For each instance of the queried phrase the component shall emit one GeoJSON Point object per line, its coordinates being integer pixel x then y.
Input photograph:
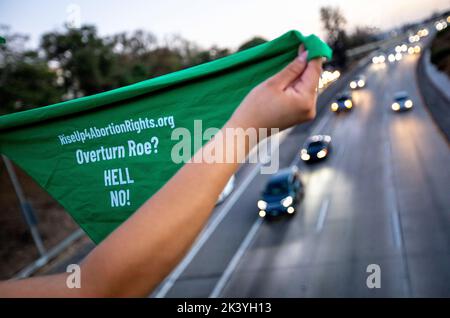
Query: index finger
{"type": "Point", "coordinates": [310, 77]}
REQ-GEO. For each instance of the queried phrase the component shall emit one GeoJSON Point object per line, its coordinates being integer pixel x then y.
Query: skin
{"type": "Point", "coordinates": [139, 254]}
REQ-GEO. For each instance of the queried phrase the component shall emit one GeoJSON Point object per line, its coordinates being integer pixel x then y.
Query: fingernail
{"type": "Point", "coordinates": [303, 56]}
{"type": "Point", "coordinates": [301, 49]}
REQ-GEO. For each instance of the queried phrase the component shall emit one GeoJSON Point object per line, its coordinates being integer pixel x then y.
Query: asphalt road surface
{"type": "Point", "coordinates": [382, 198]}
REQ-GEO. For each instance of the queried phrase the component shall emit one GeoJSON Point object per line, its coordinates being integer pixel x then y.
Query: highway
{"type": "Point", "coordinates": [382, 197]}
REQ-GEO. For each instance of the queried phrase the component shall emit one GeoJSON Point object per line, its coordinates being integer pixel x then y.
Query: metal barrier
{"type": "Point", "coordinates": [30, 219]}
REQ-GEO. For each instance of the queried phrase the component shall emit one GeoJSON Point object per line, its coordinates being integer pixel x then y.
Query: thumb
{"type": "Point", "coordinates": [291, 72]}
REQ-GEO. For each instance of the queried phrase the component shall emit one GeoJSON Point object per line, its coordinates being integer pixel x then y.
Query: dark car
{"type": "Point", "coordinates": [316, 148]}
{"type": "Point", "coordinates": [344, 102]}
{"type": "Point", "coordinates": [281, 194]}
{"type": "Point", "coordinates": [358, 82]}
{"type": "Point", "coordinates": [401, 102]}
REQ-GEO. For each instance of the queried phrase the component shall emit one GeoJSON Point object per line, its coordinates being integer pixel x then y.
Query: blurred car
{"type": "Point", "coordinates": [316, 148]}
{"type": "Point", "coordinates": [343, 102]}
{"type": "Point", "coordinates": [395, 56]}
{"type": "Point", "coordinates": [401, 48]}
{"type": "Point", "coordinates": [414, 49]}
{"type": "Point", "coordinates": [401, 102]}
{"type": "Point", "coordinates": [358, 82]}
{"type": "Point", "coordinates": [227, 190]}
{"type": "Point", "coordinates": [379, 59]}
{"type": "Point", "coordinates": [282, 193]}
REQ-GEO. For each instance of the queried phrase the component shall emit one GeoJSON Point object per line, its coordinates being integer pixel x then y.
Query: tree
{"type": "Point", "coordinates": [252, 42]}
{"type": "Point", "coordinates": [361, 36]}
{"type": "Point", "coordinates": [140, 57]}
{"type": "Point", "coordinates": [26, 81]}
{"type": "Point", "coordinates": [87, 61]}
{"type": "Point", "coordinates": [334, 22]}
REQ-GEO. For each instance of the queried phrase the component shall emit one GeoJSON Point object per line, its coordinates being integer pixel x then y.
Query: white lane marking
{"type": "Point", "coordinates": [322, 215]}
{"type": "Point", "coordinates": [321, 124]}
{"type": "Point", "coordinates": [235, 260]}
{"type": "Point", "coordinates": [391, 196]}
{"type": "Point", "coordinates": [204, 236]}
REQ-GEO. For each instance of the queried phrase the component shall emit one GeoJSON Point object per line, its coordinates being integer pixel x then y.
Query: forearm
{"type": "Point", "coordinates": [44, 286]}
{"type": "Point", "coordinates": [139, 254]}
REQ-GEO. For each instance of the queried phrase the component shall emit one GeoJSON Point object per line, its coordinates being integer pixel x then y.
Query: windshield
{"type": "Point", "coordinates": [401, 99]}
{"type": "Point", "coordinates": [343, 98]}
{"type": "Point", "coordinates": [315, 146]}
{"type": "Point", "coordinates": [276, 188]}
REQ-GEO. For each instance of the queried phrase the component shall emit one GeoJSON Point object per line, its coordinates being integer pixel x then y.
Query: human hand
{"type": "Point", "coordinates": [285, 99]}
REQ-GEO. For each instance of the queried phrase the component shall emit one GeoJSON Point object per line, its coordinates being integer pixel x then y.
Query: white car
{"type": "Point", "coordinates": [227, 190]}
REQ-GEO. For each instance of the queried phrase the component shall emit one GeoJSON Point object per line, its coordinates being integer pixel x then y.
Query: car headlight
{"type": "Point", "coordinates": [417, 49]}
{"type": "Point", "coordinates": [262, 204]}
{"type": "Point", "coordinates": [408, 103]}
{"type": "Point", "coordinates": [262, 213]}
{"type": "Point", "coordinates": [290, 210]}
{"type": "Point", "coordinates": [375, 60]}
{"type": "Point", "coordinates": [353, 84]}
{"type": "Point", "coordinates": [304, 155]}
{"type": "Point", "coordinates": [287, 201]}
{"type": "Point", "coordinates": [395, 106]}
{"type": "Point", "coordinates": [334, 107]}
{"type": "Point", "coordinates": [348, 103]}
{"type": "Point", "coordinates": [321, 154]}
{"type": "Point", "coordinates": [361, 83]}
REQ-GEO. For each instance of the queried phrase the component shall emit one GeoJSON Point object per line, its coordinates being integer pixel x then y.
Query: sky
{"type": "Point", "coordinates": [226, 23]}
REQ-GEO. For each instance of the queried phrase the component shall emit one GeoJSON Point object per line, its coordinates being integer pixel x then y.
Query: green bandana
{"type": "Point", "coordinates": [102, 156]}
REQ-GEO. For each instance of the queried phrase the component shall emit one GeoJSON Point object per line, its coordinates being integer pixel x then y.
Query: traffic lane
{"type": "Point", "coordinates": [348, 235]}
{"type": "Point", "coordinates": [210, 262]}
{"type": "Point", "coordinates": [362, 216]}
{"type": "Point", "coordinates": [424, 181]}
{"type": "Point", "coordinates": [421, 157]}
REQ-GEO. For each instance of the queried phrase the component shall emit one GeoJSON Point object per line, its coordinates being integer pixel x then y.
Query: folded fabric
{"type": "Point", "coordinates": [102, 156]}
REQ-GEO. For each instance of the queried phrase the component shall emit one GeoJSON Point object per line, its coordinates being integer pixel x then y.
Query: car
{"type": "Point", "coordinates": [414, 49]}
{"type": "Point", "coordinates": [395, 56]}
{"type": "Point", "coordinates": [358, 82]}
{"type": "Point", "coordinates": [343, 102]}
{"type": "Point", "coordinates": [316, 148]}
{"type": "Point", "coordinates": [401, 102]}
{"type": "Point", "coordinates": [227, 190]}
{"type": "Point", "coordinates": [379, 59]}
{"type": "Point", "coordinates": [282, 193]}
